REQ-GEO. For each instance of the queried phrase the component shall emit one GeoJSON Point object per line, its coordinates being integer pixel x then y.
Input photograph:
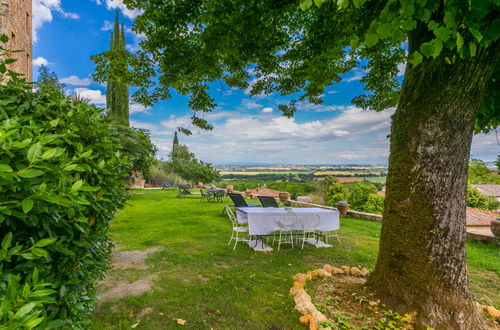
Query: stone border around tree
{"type": "Point", "coordinates": [310, 314]}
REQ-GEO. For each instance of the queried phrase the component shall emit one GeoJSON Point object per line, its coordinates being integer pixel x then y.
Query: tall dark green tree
{"type": "Point", "coordinates": [117, 94]}
{"type": "Point", "coordinates": [176, 140]}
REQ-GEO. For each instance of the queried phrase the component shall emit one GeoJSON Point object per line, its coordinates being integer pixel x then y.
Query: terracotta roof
{"type": "Point", "coordinates": [261, 191]}
{"type": "Point", "coordinates": [477, 217]}
{"type": "Point", "coordinates": [488, 189]}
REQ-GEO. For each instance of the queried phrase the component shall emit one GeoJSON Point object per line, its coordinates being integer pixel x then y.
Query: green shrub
{"type": "Point", "coordinates": [374, 204]}
{"type": "Point", "coordinates": [475, 199]}
{"type": "Point", "coordinates": [335, 191]}
{"type": "Point", "coordinates": [158, 175]}
{"type": "Point", "coordinates": [61, 181]}
{"type": "Point", "coordinates": [493, 203]}
{"type": "Point", "coordinates": [360, 194]}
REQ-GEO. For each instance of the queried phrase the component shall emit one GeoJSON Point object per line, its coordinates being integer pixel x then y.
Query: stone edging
{"type": "Point", "coordinates": [310, 314]}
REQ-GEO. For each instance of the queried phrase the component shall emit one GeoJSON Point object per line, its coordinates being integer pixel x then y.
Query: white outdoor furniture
{"type": "Point", "coordinates": [310, 223]}
{"type": "Point", "coordinates": [237, 229]}
{"type": "Point", "coordinates": [265, 221]}
{"type": "Point", "coordinates": [287, 223]}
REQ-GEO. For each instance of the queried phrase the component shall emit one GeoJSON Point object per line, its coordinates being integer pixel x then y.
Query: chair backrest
{"type": "Point", "coordinates": [220, 193]}
{"type": "Point", "coordinates": [232, 216]}
{"type": "Point", "coordinates": [287, 221]}
{"type": "Point", "coordinates": [185, 189]}
{"type": "Point", "coordinates": [268, 201]}
{"type": "Point", "coordinates": [166, 184]}
{"type": "Point", "coordinates": [310, 222]}
{"type": "Point", "coordinates": [238, 200]}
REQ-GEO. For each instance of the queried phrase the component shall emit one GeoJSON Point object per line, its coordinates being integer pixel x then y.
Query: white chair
{"type": "Point", "coordinates": [237, 229]}
{"type": "Point", "coordinates": [309, 225]}
{"type": "Point", "coordinates": [330, 234]}
{"type": "Point", "coordinates": [287, 223]}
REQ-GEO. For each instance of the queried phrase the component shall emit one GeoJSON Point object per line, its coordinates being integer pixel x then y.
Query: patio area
{"type": "Point", "coordinates": [190, 273]}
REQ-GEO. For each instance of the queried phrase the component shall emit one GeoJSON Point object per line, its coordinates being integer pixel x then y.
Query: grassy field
{"type": "Point", "coordinates": [201, 280]}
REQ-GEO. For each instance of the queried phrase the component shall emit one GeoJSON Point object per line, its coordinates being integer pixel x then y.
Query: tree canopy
{"type": "Point", "coordinates": [298, 48]}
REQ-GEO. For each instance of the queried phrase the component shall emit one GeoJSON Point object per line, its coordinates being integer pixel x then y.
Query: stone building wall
{"type": "Point", "coordinates": [15, 22]}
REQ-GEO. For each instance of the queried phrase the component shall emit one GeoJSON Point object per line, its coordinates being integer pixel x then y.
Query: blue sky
{"type": "Point", "coordinates": [247, 129]}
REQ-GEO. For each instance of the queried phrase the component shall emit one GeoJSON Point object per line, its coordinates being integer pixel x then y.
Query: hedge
{"type": "Point", "coordinates": [61, 181]}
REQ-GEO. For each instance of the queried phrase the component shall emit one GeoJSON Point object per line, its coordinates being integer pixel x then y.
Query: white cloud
{"type": "Point", "coordinates": [249, 104]}
{"type": "Point", "coordinates": [485, 146]}
{"type": "Point", "coordinates": [401, 69]}
{"type": "Point", "coordinates": [358, 74]}
{"type": "Point", "coordinates": [136, 108]}
{"type": "Point", "coordinates": [107, 26]}
{"type": "Point", "coordinates": [94, 96]}
{"type": "Point", "coordinates": [74, 80]}
{"type": "Point", "coordinates": [42, 13]}
{"type": "Point", "coordinates": [118, 4]}
{"type": "Point", "coordinates": [39, 61]}
{"type": "Point", "coordinates": [267, 110]}
{"type": "Point", "coordinates": [353, 135]}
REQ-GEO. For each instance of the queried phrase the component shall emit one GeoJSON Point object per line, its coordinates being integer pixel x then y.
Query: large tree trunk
{"type": "Point", "coordinates": [421, 265]}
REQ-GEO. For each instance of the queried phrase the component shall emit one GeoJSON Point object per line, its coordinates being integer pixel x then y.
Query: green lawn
{"type": "Point", "coordinates": [203, 281]}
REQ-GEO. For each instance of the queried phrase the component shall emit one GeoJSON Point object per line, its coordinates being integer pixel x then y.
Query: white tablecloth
{"type": "Point", "coordinates": [264, 220]}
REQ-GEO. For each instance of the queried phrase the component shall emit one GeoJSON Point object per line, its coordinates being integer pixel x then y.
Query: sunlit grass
{"type": "Point", "coordinates": [203, 281]}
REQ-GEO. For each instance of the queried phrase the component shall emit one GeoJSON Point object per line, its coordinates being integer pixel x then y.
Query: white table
{"type": "Point", "coordinates": [264, 220]}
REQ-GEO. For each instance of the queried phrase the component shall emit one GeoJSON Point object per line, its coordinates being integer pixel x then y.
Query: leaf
{"type": "Point", "coordinates": [49, 153]}
{"type": "Point", "coordinates": [371, 40]}
{"type": "Point", "coordinates": [180, 321]}
{"type": "Point", "coordinates": [27, 205]}
{"type": "Point", "coordinates": [318, 3]}
{"type": "Point", "coordinates": [5, 168]}
{"type": "Point", "coordinates": [39, 252]}
{"type": "Point", "coordinates": [54, 122]}
{"type": "Point", "coordinates": [29, 173]}
{"type": "Point", "coordinates": [384, 30]}
{"type": "Point", "coordinates": [133, 326]}
{"type": "Point", "coordinates": [460, 40]}
{"type": "Point", "coordinates": [477, 34]}
{"type": "Point", "coordinates": [409, 25]}
{"type": "Point", "coordinates": [34, 152]}
{"type": "Point", "coordinates": [415, 58]}
{"type": "Point", "coordinates": [45, 242]}
{"type": "Point", "coordinates": [343, 4]}
{"type": "Point", "coordinates": [24, 310]}
{"type": "Point", "coordinates": [305, 4]}
{"type": "Point", "coordinates": [472, 49]}
{"type": "Point", "coordinates": [358, 3]}
{"type": "Point", "coordinates": [77, 185]}
{"type": "Point", "coordinates": [33, 323]}
{"type": "Point", "coordinates": [42, 293]}
{"type": "Point", "coordinates": [70, 167]}
{"type": "Point", "coordinates": [7, 239]}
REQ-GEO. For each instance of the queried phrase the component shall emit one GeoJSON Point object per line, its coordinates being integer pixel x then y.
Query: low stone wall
{"type": "Point", "coordinates": [364, 215]}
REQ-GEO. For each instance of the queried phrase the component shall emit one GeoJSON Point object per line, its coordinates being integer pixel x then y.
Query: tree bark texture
{"type": "Point", "coordinates": [422, 265]}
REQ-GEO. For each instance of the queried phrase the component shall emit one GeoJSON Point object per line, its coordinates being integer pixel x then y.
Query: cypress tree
{"type": "Point", "coordinates": [176, 139]}
{"type": "Point", "coordinates": [117, 95]}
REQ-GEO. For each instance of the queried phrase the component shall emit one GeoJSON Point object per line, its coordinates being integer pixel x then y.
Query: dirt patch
{"type": "Point", "coordinates": [123, 289]}
{"type": "Point", "coordinates": [347, 303]}
{"type": "Point", "coordinates": [117, 283]}
{"type": "Point", "coordinates": [133, 259]}
{"type": "Point", "coordinates": [144, 312]}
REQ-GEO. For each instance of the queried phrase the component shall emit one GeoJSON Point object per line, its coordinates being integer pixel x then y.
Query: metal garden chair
{"type": "Point", "coordinates": [268, 201]}
{"type": "Point", "coordinates": [287, 224]}
{"type": "Point", "coordinates": [239, 201]}
{"type": "Point", "coordinates": [239, 233]}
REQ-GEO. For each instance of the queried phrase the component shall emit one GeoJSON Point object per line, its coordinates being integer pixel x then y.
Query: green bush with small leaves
{"type": "Point", "coordinates": [61, 181]}
{"type": "Point", "coordinates": [476, 200]}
